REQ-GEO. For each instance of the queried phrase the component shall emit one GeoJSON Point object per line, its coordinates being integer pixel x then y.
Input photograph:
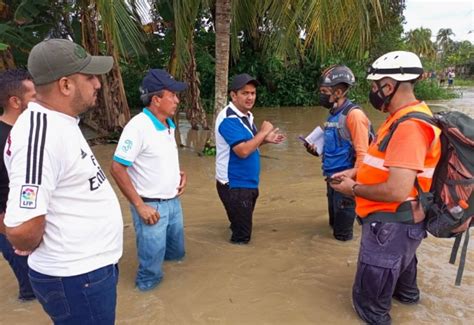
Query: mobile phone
{"type": "Point", "coordinates": [302, 139]}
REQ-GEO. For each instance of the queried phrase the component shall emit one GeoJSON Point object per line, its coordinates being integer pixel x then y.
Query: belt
{"type": "Point", "coordinates": [403, 214]}
{"type": "Point", "coordinates": [149, 199]}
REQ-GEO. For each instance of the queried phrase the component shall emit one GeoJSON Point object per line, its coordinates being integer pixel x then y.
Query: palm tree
{"type": "Point", "coordinates": [180, 18]}
{"type": "Point", "coordinates": [419, 41]}
{"type": "Point", "coordinates": [119, 29]}
{"type": "Point", "coordinates": [222, 25]}
{"type": "Point", "coordinates": [327, 26]}
{"type": "Point", "coordinates": [103, 24]}
{"type": "Point", "coordinates": [444, 41]}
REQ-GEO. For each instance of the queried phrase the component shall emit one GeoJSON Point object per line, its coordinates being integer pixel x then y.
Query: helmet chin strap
{"type": "Point", "coordinates": [335, 106]}
{"type": "Point", "coordinates": [387, 99]}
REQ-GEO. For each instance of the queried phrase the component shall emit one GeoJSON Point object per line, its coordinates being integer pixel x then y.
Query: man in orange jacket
{"type": "Point", "coordinates": [385, 191]}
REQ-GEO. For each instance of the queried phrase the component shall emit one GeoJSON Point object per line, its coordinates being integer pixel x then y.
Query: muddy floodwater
{"type": "Point", "coordinates": [292, 272]}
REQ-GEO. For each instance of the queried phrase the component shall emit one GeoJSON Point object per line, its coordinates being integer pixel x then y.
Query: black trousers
{"type": "Point", "coordinates": [341, 214]}
{"type": "Point", "coordinates": [239, 204]}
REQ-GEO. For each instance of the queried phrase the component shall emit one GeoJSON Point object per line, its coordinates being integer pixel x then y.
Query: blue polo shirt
{"type": "Point", "coordinates": [232, 128]}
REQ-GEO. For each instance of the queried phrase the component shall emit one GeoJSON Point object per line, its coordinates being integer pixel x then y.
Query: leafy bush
{"type": "Point", "coordinates": [428, 89]}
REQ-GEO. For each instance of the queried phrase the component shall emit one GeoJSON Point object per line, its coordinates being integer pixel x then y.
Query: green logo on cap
{"type": "Point", "coordinates": [80, 52]}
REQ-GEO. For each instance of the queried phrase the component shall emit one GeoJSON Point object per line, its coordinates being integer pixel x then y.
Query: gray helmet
{"type": "Point", "coordinates": [335, 75]}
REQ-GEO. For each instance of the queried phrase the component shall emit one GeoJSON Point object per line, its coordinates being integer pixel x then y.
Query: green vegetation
{"type": "Point", "coordinates": [464, 82]}
{"type": "Point", "coordinates": [430, 90]}
{"type": "Point", "coordinates": [285, 44]}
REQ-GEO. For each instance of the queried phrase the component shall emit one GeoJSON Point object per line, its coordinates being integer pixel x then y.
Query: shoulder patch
{"type": "Point", "coordinates": [28, 196]}
{"type": "Point", "coordinates": [127, 145]}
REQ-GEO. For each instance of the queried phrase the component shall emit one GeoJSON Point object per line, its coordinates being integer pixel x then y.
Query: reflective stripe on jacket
{"type": "Point", "coordinates": [373, 170]}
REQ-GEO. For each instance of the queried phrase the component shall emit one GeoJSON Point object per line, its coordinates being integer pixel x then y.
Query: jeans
{"type": "Point", "coordinates": [155, 243]}
{"type": "Point", "coordinates": [239, 204]}
{"type": "Point", "coordinates": [341, 214]}
{"type": "Point", "coordinates": [386, 268]}
{"type": "Point", "coordinates": [19, 265]}
{"type": "Point", "coordinates": [88, 298]}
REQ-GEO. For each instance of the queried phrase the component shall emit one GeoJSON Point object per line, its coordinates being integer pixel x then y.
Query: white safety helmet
{"type": "Point", "coordinates": [398, 65]}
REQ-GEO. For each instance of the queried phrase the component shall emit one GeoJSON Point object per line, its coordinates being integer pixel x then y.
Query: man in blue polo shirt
{"type": "Point", "coordinates": [238, 157]}
{"type": "Point", "coordinates": [146, 169]}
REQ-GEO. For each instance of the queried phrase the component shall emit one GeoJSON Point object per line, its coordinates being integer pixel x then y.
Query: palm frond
{"type": "Point", "coordinates": [117, 17]}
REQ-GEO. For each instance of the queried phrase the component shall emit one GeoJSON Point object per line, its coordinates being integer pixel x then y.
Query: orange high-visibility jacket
{"type": "Point", "coordinates": [409, 142]}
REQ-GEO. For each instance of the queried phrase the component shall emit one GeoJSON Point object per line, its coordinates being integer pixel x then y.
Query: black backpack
{"type": "Point", "coordinates": [450, 201]}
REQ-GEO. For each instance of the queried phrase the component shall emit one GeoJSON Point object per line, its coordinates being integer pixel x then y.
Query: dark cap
{"type": "Point", "coordinates": [241, 80]}
{"type": "Point", "coordinates": [55, 58]}
{"type": "Point", "coordinates": [158, 79]}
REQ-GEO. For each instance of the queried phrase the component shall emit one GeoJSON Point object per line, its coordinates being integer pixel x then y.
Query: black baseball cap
{"type": "Point", "coordinates": [240, 80]}
{"type": "Point", "coordinates": [52, 59]}
{"type": "Point", "coordinates": [158, 79]}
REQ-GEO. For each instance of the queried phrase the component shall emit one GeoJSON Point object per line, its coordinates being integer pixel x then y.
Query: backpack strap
{"type": "Point", "coordinates": [413, 115]}
{"type": "Point", "coordinates": [462, 257]}
{"type": "Point", "coordinates": [344, 130]}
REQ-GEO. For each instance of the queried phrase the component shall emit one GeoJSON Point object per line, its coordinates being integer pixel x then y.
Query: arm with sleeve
{"type": "Point", "coordinates": [29, 195]}
{"type": "Point", "coordinates": [409, 145]}
{"type": "Point", "coordinates": [127, 150]}
{"type": "Point", "coordinates": [235, 133]}
{"type": "Point", "coordinates": [358, 126]}
{"type": "Point", "coordinates": [129, 146]}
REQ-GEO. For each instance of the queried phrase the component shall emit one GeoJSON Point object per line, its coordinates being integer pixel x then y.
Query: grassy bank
{"type": "Point", "coordinates": [464, 82]}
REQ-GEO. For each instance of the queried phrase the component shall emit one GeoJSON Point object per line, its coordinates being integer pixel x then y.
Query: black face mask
{"type": "Point", "coordinates": [378, 100]}
{"type": "Point", "coordinates": [375, 99]}
{"type": "Point", "coordinates": [324, 101]}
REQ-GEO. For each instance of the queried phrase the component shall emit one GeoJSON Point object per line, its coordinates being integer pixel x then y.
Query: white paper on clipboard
{"type": "Point", "coordinates": [316, 137]}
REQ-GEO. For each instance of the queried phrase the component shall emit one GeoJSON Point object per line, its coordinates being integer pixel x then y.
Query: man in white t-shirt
{"type": "Point", "coordinates": [61, 207]}
{"type": "Point", "coordinates": [146, 169]}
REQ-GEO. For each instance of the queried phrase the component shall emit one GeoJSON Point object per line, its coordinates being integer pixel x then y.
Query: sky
{"type": "Point", "coordinates": [435, 14]}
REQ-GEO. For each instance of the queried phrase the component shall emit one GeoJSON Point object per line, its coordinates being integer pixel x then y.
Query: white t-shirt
{"type": "Point", "coordinates": [149, 150]}
{"type": "Point", "coordinates": [53, 172]}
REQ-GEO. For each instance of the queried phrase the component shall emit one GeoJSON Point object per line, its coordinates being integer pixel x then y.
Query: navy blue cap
{"type": "Point", "coordinates": [241, 80]}
{"type": "Point", "coordinates": [158, 79]}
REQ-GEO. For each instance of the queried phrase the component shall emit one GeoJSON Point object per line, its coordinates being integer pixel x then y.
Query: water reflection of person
{"type": "Point", "coordinates": [146, 169]}
{"type": "Point", "coordinates": [346, 139]}
{"type": "Point", "coordinates": [238, 157]}
{"type": "Point", "coordinates": [385, 191]}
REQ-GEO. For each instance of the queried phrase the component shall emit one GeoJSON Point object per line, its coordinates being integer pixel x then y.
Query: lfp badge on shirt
{"type": "Point", "coordinates": [28, 196]}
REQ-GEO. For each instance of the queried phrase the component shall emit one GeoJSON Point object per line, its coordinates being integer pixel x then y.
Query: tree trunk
{"type": "Point", "coordinates": [172, 69]}
{"type": "Point", "coordinates": [194, 111]}
{"type": "Point", "coordinates": [112, 112]}
{"type": "Point", "coordinates": [6, 60]}
{"type": "Point", "coordinates": [222, 25]}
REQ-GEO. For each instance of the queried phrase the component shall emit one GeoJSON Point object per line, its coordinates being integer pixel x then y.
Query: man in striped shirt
{"type": "Point", "coordinates": [61, 207]}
